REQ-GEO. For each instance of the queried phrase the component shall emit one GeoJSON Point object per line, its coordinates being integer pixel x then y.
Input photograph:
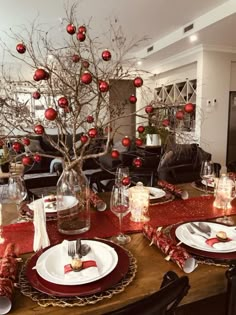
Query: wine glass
{"type": "Point", "coordinates": [119, 205]}
{"type": "Point", "coordinates": [207, 173]}
{"type": "Point", "coordinates": [122, 177]}
{"type": "Point", "coordinates": [16, 190]}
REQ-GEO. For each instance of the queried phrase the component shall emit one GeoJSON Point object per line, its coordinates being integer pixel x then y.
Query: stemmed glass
{"type": "Point", "coordinates": [122, 177]}
{"type": "Point", "coordinates": [207, 173]}
{"type": "Point", "coordinates": [119, 205]}
{"type": "Point", "coordinates": [16, 190]}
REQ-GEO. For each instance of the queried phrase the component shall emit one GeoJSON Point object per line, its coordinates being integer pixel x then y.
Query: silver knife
{"type": "Point", "coordinates": [198, 228]}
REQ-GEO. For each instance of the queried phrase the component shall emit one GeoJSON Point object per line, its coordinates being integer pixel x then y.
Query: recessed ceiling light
{"type": "Point", "coordinates": [193, 38]}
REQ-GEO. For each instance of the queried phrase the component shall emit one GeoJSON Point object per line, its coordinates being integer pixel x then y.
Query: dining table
{"type": "Point", "coordinates": [206, 281]}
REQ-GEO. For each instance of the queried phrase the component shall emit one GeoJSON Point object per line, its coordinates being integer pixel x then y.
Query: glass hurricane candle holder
{"type": "Point", "coordinates": [139, 203]}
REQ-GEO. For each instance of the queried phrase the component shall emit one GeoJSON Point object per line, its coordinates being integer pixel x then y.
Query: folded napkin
{"type": "Point", "coordinates": [97, 202]}
{"type": "Point", "coordinates": [8, 276]}
{"type": "Point", "coordinates": [41, 239]}
{"type": "Point", "coordinates": [176, 253]}
{"type": "Point", "coordinates": [179, 193]}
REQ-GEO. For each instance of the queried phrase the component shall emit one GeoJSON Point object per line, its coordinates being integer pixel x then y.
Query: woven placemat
{"type": "Point", "coordinates": [199, 186]}
{"type": "Point", "coordinates": [45, 300]}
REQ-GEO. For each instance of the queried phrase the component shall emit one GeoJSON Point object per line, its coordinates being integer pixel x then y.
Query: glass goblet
{"type": "Point", "coordinates": [16, 190]}
{"type": "Point", "coordinates": [207, 173]}
{"type": "Point", "coordinates": [119, 205]}
{"type": "Point", "coordinates": [122, 177]}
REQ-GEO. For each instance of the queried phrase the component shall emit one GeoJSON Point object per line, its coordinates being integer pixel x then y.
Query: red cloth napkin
{"type": "Point", "coordinates": [176, 253]}
{"type": "Point", "coordinates": [183, 194]}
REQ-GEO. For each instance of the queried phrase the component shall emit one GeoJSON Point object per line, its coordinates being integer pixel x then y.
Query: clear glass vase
{"type": "Point", "coordinates": [73, 207]}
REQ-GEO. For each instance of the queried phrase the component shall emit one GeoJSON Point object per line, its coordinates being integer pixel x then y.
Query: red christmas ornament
{"type": "Point", "coordinates": [179, 114]}
{"type": "Point", "coordinates": [37, 158]}
{"type": "Point", "coordinates": [106, 55]}
{"type": "Point", "coordinates": [139, 142]}
{"type": "Point", "coordinates": [35, 78]}
{"type": "Point", "coordinates": [140, 129]}
{"type": "Point", "coordinates": [85, 64]}
{"type": "Point", "coordinates": [75, 58]}
{"type": "Point", "coordinates": [26, 141]}
{"type": "Point", "coordinates": [86, 78]}
{"type": "Point", "coordinates": [82, 29]}
{"type": "Point", "coordinates": [36, 95]}
{"type": "Point", "coordinates": [126, 141]}
{"type": "Point", "coordinates": [92, 132]}
{"type": "Point", "coordinates": [40, 74]}
{"type": "Point", "coordinates": [138, 81]}
{"type": "Point", "coordinates": [189, 108]}
{"type": "Point", "coordinates": [50, 114]}
{"type": "Point", "coordinates": [26, 160]}
{"type": "Point", "coordinates": [63, 102]}
{"type": "Point", "coordinates": [115, 154]}
{"type": "Point", "coordinates": [21, 48]}
{"type": "Point", "coordinates": [165, 122]}
{"type": "Point", "coordinates": [90, 119]}
{"type": "Point", "coordinates": [103, 86]}
{"type": "Point", "coordinates": [137, 162]}
{"type": "Point", "coordinates": [126, 181]}
{"type": "Point", "coordinates": [71, 29]}
{"type": "Point", "coordinates": [149, 109]}
{"type": "Point", "coordinates": [1, 143]}
{"type": "Point", "coordinates": [132, 99]}
{"type": "Point", "coordinates": [84, 138]}
{"type": "Point", "coordinates": [81, 36]}
{"type": "Point", "coordinates": [16, 146]}
{"type": "Point", "coordinates": [107, 129]}
{"type": "Point", "coordinates": [39, 129]}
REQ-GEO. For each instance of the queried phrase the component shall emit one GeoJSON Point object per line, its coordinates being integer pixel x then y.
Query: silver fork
{"type": "Point", "coordinates": [191, 230]}
{"type": "Point", "coordinates": [71, 250]}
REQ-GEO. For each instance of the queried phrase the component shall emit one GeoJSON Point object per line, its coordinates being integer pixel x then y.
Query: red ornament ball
{"type": "Point", "coordinates": [21, 48]}
{"type": "Point", "coordinates": [189, 108]}
{"type": "Point", "coordinates": [92, 132]}
{"type": "Point", "coordinates": [82, 29]}
{"type": "Point", "coordinates": [81, 36]}
{"type": "Point", "coordinates": [165, 122]}
{"type": "Point", "coordinates": [50, 114]}
{"type": "Point", "coordinates": [1, 143]}
{"type": "Point", "coordinates": [126, 181]}
{"type": "Point", "coordinates": [140, 129]}
{"type": "Point", "coordinates": [132, 99]}
{"type": "Point", "coordinates": [115, 154]}
{"type": "Point", "coordinates": [106, 55]}
{"type": "Point", "coordinates": [103, 86]}
{"type": "Point", "coordinates": [16, 146]}
{"type": "Point", "coordinates": [179, 114]}
{"type": "Point", "coordinates": [37, 158]}
{"type": "Point", "coordinates": [84, 138]}
{"type": "Point", "coordinates": [36, 95]}
{"type": "Point", "coordinates": [149, 109]}
{"type": "Point", "coordinates": [107, 129]}
{"type": "Point", "coordinates": [137, 162]}
{"type": "Point", "coordinates": [139, 142]}
{"type": "Point", "coordinates": [126, 141]}
{"type": "Point", "coordinates": [90, 119]}
{"type": "Point", "coordinates": [75, 58]}
{"type": "Point", "coordinates": [138, 81]}
{"type": "Point", "coordinates": [26, 160]}
{"type": "Point", "coordinates": [39, 129]}
{"type": "Point", "coordinates": [63, 102]}
{"type": "Point", "coordinates": [86, 78]}
{"type": "Point", "coordinates": [85, 64]}
{"type": "Point", "coordinates": [40, 74]}
{"type": "Point", "coordinates": [26, 141]}
{"type": "Point", "coordinates": [71, 29]}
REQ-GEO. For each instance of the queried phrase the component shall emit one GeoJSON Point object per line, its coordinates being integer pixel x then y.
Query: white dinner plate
{"type": "Point", "coordinates": [70, 202]}
{"type": "Point", "coordinates": [50, 265]}
{"type": "Point", "coordinates": [156, 193]}
{"type": "Point", "coordinates": [210, 184]}
{"type": "Point", "coordinates": [199, 242]}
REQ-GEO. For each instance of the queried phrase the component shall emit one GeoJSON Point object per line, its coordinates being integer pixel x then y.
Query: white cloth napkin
{"type": "Point", "coordinates": [41, 239]}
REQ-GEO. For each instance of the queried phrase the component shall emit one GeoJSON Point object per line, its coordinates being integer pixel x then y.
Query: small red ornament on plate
{"type": "Point", "coordinates": [126, 181]}
{"type": "Point", "coordinates": [137, 162]}
{"type": "Point", "coordinates": [106, 55]}
{"type": "Point", "coordinates": [50, 114]}
{"type": "Point", "coordinates": [189, 108]}
{"type": "Point", "coordinates": [90, 119]}
{"type": "Point", "coordinates": [139, 142]}
{"type": "Point", "coordinates": [138, 81]}
{"type": "Point", "coordinates": [86, 78]}
{"type": "Point", "coordinates": [179, 114]}
{"type": "Point", "coordinates": [16, 146]}
{"type": "Point", "coordinates": [36, 95]}
{"type": "Point", "coordinates": [21, 48]}
{"type": "Point", "coordinates": [26, 141]}
{"type": "Point", "coordinates": [103, 86]}
{"type": "Point", "coordinates": [37, 158]}
{"type": "Point", "coordinates": [26, 160]}
{"type": "Point", "coordinates": [92, 132]}
{"type": "Point", "coordinates": [84, 138]}
{"type": "Point", "coordinates": [132, 99]}
{"type": "Point", "coordinates": [126, 141]}
{"type": "Point", "coordinates": [75, 58]}
{"type": "Point", "coordinates": [71, 29]}
{"type": "Point", "coordinates": [82, 29]}
{"type": "Point", "coordinates": [149, 109]}
{"type": "Point", "coordinates": [165, 122]}
{"type": "Point", "coordinates": [81, 36]}
{"type": "Point", "coordinates": [63, 102]}
{"type": "Point", "coordinates": [140, 129]}
{"type": "Point", "coordinates": [115, 154]}
{"type": "Point", "coordinates": [39, 129]}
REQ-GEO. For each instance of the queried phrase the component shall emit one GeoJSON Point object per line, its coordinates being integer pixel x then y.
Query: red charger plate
{"type": "Point", "coordinates": [100, 285]}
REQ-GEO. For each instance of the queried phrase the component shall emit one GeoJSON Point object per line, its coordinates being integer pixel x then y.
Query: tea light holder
{"type": "Point", "coordinates": [139, 203]}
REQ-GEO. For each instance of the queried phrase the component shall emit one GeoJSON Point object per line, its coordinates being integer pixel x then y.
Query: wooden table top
{"type": "Point", "coordinates": [205, 281]}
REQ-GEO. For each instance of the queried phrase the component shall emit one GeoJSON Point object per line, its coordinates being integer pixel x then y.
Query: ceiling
{"type": "Point", "coordinates": [162, 21]}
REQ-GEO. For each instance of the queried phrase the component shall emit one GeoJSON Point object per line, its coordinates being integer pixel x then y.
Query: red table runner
{"type": "Point", "coordinates": [105, 224]}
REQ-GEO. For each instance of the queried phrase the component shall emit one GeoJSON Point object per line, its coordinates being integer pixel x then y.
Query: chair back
{"type": "Point", "coordinates": [231, 290]}
{"type": "Point", "coordinates": [162, 302]}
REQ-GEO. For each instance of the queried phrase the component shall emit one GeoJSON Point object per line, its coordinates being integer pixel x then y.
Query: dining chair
{"type": "Point", "coordinates": [231, 290]}
{"type": "Point", "coordinates": [163, 302]}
